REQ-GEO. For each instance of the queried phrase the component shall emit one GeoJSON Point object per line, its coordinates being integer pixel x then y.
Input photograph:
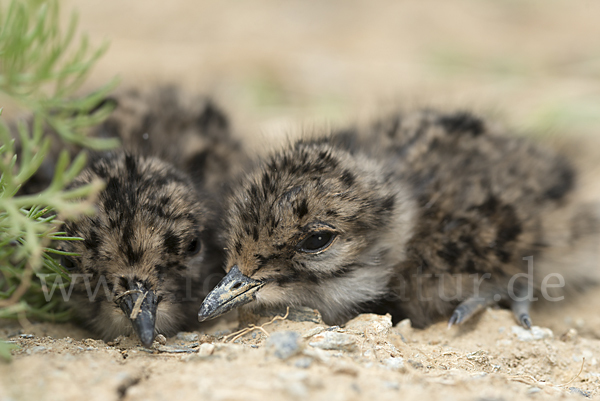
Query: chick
{"type": "Point", "coordinates": [422, 216]}
{"type": "Point", "coordinates": [151, 253]}
{"type": "Point", "coordinates": [191, 133]}
{"type": "Point", "coordinates": [150, 242]}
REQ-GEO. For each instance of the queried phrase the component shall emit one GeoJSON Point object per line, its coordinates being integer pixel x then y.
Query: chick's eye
{"type": "Point", "coordinates": [194, 246]}
{"type": "Point", "coordinates": [67, 262]}
{"type": "Point", "coordinates": [317, 242]}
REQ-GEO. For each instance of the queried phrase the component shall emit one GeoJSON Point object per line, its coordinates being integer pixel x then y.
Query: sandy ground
{"type": "Point", "coordinates": [488, 359]}
{"type": "Point", "coordinates": [284, 67]}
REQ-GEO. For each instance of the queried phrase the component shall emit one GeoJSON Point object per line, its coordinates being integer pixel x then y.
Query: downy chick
{"type": "Point", "coordinates": [423, 216]}
{"type": "Point", "coordinates": [151, 254]}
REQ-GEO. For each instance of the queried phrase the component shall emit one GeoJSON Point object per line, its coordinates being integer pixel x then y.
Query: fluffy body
{"type": "Point", "coordinates": [156, 220]}
{"type": "Point", "coordinates": [192, 134]}
{"type": "Point", "coordinates": [148, 219]}
{"type": "Point", "coordinates": [429, 211]}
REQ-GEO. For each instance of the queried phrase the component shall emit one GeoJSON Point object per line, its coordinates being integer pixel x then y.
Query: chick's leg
{"type": "Point", "coordinates": [520, 308]}
{"type": "Point", "coordinates": [469, 307]}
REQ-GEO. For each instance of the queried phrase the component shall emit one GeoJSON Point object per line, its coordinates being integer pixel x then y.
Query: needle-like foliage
{"type": "Point", "coordinates": [41, 68]}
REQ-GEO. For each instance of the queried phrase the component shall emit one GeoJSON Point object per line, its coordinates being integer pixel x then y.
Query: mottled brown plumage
{"type": "Point", "coordinates": [154, 237]}
{"type": "Point", "coordinates": [152, 233]}
{"type": "Point", "coordinates": [191, 133]}
{"type": "Point", "coordinates": [425, 215]}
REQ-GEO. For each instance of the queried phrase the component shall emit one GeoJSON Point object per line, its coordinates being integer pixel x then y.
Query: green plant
{"type": "Point", "coordinates": [41, 68]}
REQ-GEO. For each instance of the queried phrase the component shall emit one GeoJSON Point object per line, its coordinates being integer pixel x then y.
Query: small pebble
{"type": "Point", "coordinates": [569, 335]}
{"type": "Point", "coordinates": [396, 364]}
{"type": "Point", "coordinates": [206, 349]}
{"type": "Point", "coordinates": [534, 390]}
{"type": "Point", "coordinates": [478, 356]}
{"type": "Point", "coordinates": [284, 344]}
{"type": "Point", "coordinates": [26, 335]}
{"type": "Point", "coordinates": [162, 340]}
{"type": "Point", "coordinates": [330, 340]}
{"type": "Point", "coordinates": [536, 333]}
{"type": "Point", "coordinates": [370, 324]}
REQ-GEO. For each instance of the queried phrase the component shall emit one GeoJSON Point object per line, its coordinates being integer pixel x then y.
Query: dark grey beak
{"type": "Point", "coordinates": [139, 305]}
{"type": "Point", "coordinates": [234, 290]}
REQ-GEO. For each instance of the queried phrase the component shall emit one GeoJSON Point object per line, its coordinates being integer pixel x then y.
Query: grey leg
{"type": "Point", "coordinates": [521, 311]}
{"type": "Point", "coordinates": [468, 308]}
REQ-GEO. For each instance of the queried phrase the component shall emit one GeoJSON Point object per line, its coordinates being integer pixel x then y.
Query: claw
{"type": "Point", "coordinates": [525, 321]}
{"type": "Point", "coordinates": [467, 308]}
{"type": "Point", "coordinates": [521, 312]}
{"type": "Point", "coordinates": [456, 318]}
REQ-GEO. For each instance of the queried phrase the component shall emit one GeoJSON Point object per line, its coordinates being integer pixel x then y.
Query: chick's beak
{"type": "Point", "coordinates": [234, 290]}
{"type": "Point", "coordinates": [139, 305]}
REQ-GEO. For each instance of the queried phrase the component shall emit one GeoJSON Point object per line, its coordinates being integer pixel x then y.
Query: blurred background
{"type": "Point", "coordinates": [277, 65]}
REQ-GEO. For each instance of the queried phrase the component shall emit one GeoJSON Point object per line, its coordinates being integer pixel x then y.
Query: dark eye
{"type": "Point", "coordinates": [317, 242]}
{"type": "Point", "coordinates": [67, 262]}
{"type": "Point", "coordinates": [194, 246]}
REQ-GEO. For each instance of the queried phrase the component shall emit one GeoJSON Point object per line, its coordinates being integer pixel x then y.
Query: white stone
{"type": "Point", "coordinates": [330, 340]}
{"type": "Point", "coordinates": [536, 333]}
{"type": "Point", "coordinates": [371, 324]}
{"type": "Point", "coordinates": [396, 364]}
{"type": "Point", "coordinates": [206, 349]}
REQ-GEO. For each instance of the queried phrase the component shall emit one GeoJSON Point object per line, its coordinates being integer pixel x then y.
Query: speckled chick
{"type": "Point", "coordinates": [151, 252]}
{"type": "Point", "coordinates": [425, 216]}
{"type": "Point", "coordinates": [191, 133]}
